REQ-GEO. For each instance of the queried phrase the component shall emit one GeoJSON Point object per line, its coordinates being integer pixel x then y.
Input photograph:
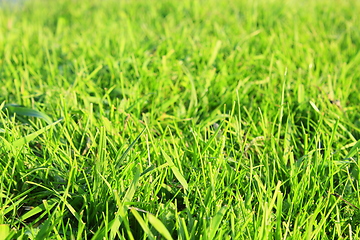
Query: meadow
{"type": "Point", "coordinates": [194, 119]}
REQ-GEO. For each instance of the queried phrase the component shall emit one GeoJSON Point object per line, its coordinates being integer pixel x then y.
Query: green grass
{"type": "Point", "coordinates": [208, 120]}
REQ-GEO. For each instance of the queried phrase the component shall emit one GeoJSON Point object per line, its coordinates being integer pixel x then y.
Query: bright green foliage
{"type": "Point", "coordinates": [194, 119]}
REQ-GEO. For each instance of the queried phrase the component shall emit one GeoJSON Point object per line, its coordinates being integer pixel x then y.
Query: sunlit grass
{"type": "Point", "coordinates": [179, 120]}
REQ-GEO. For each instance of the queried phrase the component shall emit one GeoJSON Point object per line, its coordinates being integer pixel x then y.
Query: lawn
{"type": "Point", "coordinates": [194, 119]}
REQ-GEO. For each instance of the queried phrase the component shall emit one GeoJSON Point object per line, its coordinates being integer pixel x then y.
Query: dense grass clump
{"type": "Point", "coordinates": [189, 119]}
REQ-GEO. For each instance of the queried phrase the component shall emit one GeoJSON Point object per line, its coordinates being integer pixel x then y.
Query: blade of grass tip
{"type": "Point", "coordinates": [314, 106]}
{"type": "Point", "coordinates": [194, 229]}
{"type": "Point", "coordinates": [281, 113]}
{"type": "Point", "coordinates": [353, 150]}
{"type": "Point", "coordinates": [93, 73]}
{"type": "Point", "coordinates": [119, 158]}
{"type": "Point", "coordinates": [81, 227]}
{"type": "Point", "coordinates": [279, 212]}
{"type": "Point", "coordinates": [214, 53]}
{"type": "Point", "coordinates": [115, 225]}
{"type": "Point", "coordinates": [159, 226]}
{"type": "Point", "coordinates": [32, 136]}
{"type": "Point", "coordinates": [149, 169]}
{"type": "Point", "coordinates": [301, 93]}
{"type": "Point", "coordinates": [215, 222]}
{"type": "Point", "coordinates": [142, 223]}
{"type": "Point", "coordinates": [24, 111]}
{"type": "Point", "coordinates": [175, 170]}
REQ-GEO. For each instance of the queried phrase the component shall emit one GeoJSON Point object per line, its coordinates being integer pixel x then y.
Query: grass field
{"type": "Point", "coordinates": [194, 119]}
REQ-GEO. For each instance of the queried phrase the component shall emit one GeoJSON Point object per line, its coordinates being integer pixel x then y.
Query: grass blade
{"type": "Point", "coordinates": [215, 222]}
{"type": "Point", "coordinates": [21, 142]}
{"type": "Point", "coordinates": [142, 223]}
{"type": "Point", "coordinates": [175, 170]}
{"type": "Point", "coordinates": [28, 112]}
{"type": "Point", "coordinates": [159, 226]}
{"type": "Point", "coordinates": [353, 150]}
{"type": "Point", "coordinates": [4, 231]}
